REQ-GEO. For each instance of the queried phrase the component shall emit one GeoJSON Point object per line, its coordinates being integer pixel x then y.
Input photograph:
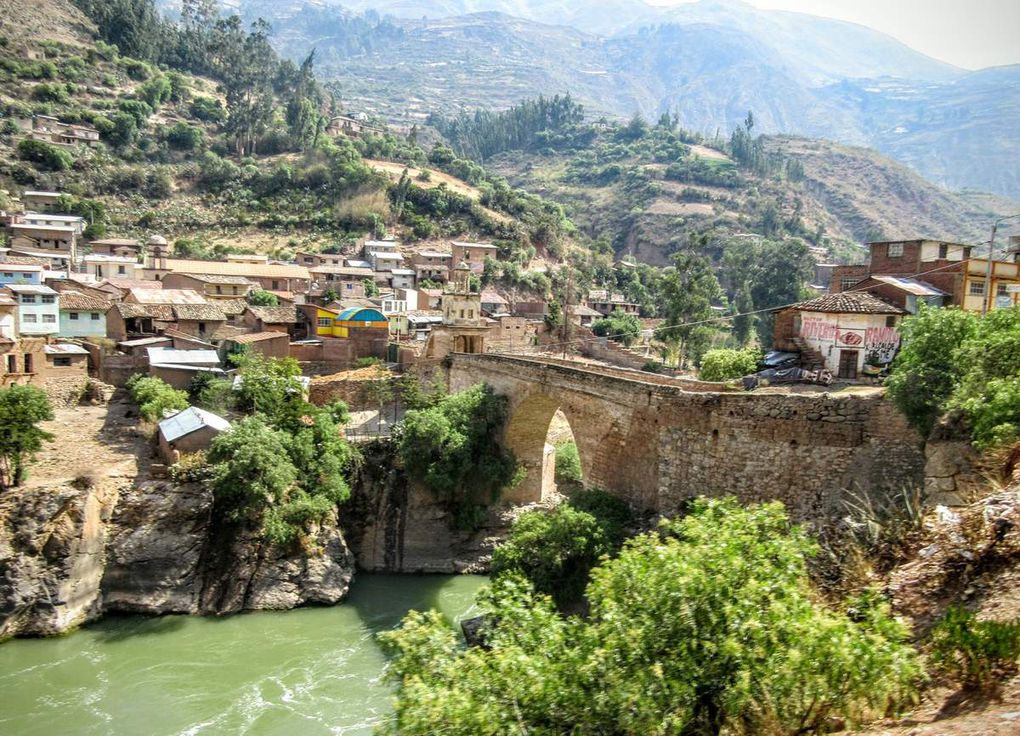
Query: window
{"type": "Point", "coordinates": [48, 299]}
{"type": "Point", "coordinates": [9, 275]}
{"type": "Point", "coordinates": [219, 289]}
{"type": "Point", "coordinates": [895, 250]}
{"type": "Point", "coordinates": [943, 250]}
{"type": "Point", "coordinates": [1000, 290]}
{"type": "Point", "coordinates": [95, 316]}
{"type": "Point", "coordinates": [29, 318]}
{"type": "Point", "coordinates": [462, 314]}
{"type": "Point", "coordinates": [348, 286]}
{"type": "Point", "coordinates": [276, 284]}
{"type": "Point", "coordinates": [848, 283]}
{"type": "Point", "coordinates": [977, 288]}
{"type": "Point", "coordinates": [72, 315]}
{"type": "Point", "coordinates": [49, 318]}
{"type": "Point", "coordinates": [28, 298]}
{"type": "Point", "coordinates": [61, 362]}
{"type": "Point", "coordinates": [471, 314]}
{"type": "Point", "coordinates": [890, 321]}
{"type": "Point", "coordinates": [201, 326]}
{"type": "Point", "coordinates": [121, 270]}
{"type": "Point", "coordinates": [325, 322]}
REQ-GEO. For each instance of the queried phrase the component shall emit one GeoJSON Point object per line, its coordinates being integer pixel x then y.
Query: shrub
{"type": "Point", "coordinates": [975, 653]}
{"type": "Point", "coordinates": [44, 156]}
{"type": "Point", "coordinates": [568, 464]}
{"type": "Point", "coordinates": [618, 326]}
{"type": "Point", "coordinates": [454, 449]}
{"type": "Point", "coordinates": [51, 93]}
{"type": "Point", "coordinates": [723, 364]}
{"type": "Point", "coordinates": [208, 109]}
{"type": "Point", "coordinates": [555, 550]}
{"type": "Point", "coordinates": [184, 137]}
{"type": "Point", "coordinates": [708, 627]}
{"type": "Point", "coordinates": [262, 298]}
{"type": "Point", "coordinates": [155, 396]}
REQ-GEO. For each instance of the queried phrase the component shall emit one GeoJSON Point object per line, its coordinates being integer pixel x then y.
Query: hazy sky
{"type": "Point", "coordinates": [969, 33]}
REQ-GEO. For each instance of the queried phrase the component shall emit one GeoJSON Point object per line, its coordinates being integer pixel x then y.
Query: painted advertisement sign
{"type": "Point", "coordinates": [883, 341]}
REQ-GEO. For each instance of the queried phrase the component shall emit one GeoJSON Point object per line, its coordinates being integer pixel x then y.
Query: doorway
{"type": "Point", "coordinates": [848, 363]}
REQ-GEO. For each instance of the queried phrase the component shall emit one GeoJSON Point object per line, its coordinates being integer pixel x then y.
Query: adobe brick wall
{"type": "Point", "coordinates": [655, 444]}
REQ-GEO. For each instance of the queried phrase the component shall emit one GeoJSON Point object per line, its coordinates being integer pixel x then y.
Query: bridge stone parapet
{"type": "Point", "coordinates": [653, 441]}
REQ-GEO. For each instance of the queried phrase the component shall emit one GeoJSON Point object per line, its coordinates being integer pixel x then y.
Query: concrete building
{"type": "Point", "coordinates": [49, 129]}
{"type": "Point", "coordinates": [281, 277]}
{"type": "Point", "coordinates": [123, 247]}
{"type": "Point", "coordinates": [605, 303]}
{"type": "Point", "coordinates": [39, 201]}
{"type": "Point", "coordinates": [29, 239]}
{"type": "Point", "coordinates": [845, 332]}
{"type": "Point", "coordinates": [101, 266]}
{"type": "Point", "coordinates": [947, 268]}
{"type": "Point", "coordinates": [432, 264]}
{"type": "Point", "coordinates": [82, 315]}
{"type": "Point", "coordinates": [211, 286]}
{"type": "Point", "coordinates": [38, 309]}
{"type": "Point", "coordinates": [20, 274]}
{"type": "Point", "coordinates": [402, 278]}
{"type": "Point", "coordinates": [473, 254]}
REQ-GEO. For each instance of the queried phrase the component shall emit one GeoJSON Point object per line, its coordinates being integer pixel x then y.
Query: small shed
{"type": "Point", "coordinates": [187, 431]}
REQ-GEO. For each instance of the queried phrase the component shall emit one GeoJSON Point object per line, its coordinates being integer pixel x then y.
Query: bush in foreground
{"type": "Point", "coordinates": [724, 364]}
{"type": "Point", "coordinates": [705, 628]}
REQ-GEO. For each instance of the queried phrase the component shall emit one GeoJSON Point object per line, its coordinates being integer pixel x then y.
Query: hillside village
{"type": "Point", "coordinates": [666, 392]}
{"type": "Point", "coordinates": [113, 306]}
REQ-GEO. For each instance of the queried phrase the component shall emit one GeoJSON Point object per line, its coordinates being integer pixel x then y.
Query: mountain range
{"type": "Point", "coordinates": [709, 62]}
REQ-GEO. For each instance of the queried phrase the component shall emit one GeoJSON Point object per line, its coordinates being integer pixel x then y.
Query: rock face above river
{"type": "Point", "coordinates": [69, 555]}
{"type": "Point", "coordinates": [52, 556]}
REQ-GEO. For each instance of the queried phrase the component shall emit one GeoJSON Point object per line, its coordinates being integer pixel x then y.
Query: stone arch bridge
{"type": "Point", "coordinates": [657, 441]}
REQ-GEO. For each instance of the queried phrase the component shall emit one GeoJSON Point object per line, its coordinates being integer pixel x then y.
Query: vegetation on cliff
{"type": "Point", "coordinates": [453, 448]}
{"type": "Point", "coordinates": [708, 625]}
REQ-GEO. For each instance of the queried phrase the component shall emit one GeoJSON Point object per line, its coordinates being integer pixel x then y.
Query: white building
{"type": "Point", "coordinates": [108, 267]}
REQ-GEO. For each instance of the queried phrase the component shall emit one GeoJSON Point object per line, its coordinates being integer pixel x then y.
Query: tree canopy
{"type": "Point", "coordinates": [21, 410]}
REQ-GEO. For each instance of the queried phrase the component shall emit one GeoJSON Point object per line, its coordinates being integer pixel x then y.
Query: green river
{"type": "Point", "coordinates": [309, 671]}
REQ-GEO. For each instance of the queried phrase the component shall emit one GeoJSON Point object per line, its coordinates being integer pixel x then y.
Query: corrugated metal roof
{"type": "Point", "coordinates": [168, 356]}
{"type": "Point", "coordinates": [911, 286]}
{"type": "Point", "coordinates": [355, 314]}
{"type": "Point", "coordinates": [64, 348]}
{"type": "Point", "coordinates": [191, 420]}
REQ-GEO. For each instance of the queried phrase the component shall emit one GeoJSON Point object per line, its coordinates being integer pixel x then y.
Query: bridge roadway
{"type": "Point", "coordinates": [657, 441]}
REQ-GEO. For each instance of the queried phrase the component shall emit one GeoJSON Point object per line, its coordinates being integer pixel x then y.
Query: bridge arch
{"type": "Point", "coordinates": [526, 435]}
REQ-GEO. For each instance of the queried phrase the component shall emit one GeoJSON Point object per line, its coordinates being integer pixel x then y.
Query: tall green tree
{"type": "Point", "coordinates": [22, 408]}
{"type": "Point", "coordinates": [689, 290]}
{"type": "Point", "coordinates": [926, 371]}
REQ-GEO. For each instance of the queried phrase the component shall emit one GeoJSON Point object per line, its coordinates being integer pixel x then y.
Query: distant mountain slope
{"type": "Point", "coordinates": [710, 60]}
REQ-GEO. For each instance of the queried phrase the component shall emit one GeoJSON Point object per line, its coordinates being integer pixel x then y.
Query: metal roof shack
{"type": "Point", "coordinates": [191, 420]}
{"type": "Point", "coordinates": [911, 286]}
{"type": "Point", "coordinates": [172, 356]}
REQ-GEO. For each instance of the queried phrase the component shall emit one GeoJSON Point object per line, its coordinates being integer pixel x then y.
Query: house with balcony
{"type": "Point", "coordinates": [211, 286]}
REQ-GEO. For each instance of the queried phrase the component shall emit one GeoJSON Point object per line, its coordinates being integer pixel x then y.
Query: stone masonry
{"type": "Point", "coordinates": [658, 444]}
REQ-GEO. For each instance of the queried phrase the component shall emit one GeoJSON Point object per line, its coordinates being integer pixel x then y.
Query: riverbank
{"type": "Point", "coordinates": [314, 670]}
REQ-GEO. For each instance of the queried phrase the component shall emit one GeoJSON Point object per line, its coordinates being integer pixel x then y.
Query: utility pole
{"type": "Point", "coordinates": [989, 293]}
{"type": "Point", "coordinates": [568, 288]}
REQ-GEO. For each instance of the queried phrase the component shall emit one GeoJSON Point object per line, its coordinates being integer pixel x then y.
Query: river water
{"type": "Point", "coordinates": [309, 671]}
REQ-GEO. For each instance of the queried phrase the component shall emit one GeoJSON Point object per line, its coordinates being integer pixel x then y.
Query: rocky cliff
{"type": "Point", "coordinates": [119, 540]}
{"type": "Point", "coordinates": [395, 525]}
{"type": "Point", "coordinates": [68, 555]}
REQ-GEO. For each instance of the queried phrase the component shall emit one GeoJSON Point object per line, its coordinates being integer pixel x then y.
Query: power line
{"type": "Point", "coordinates": [728, 317]}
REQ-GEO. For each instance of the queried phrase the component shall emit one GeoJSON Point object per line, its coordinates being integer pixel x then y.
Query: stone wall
{"type": "Point", "coordinates": [650, 441]}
